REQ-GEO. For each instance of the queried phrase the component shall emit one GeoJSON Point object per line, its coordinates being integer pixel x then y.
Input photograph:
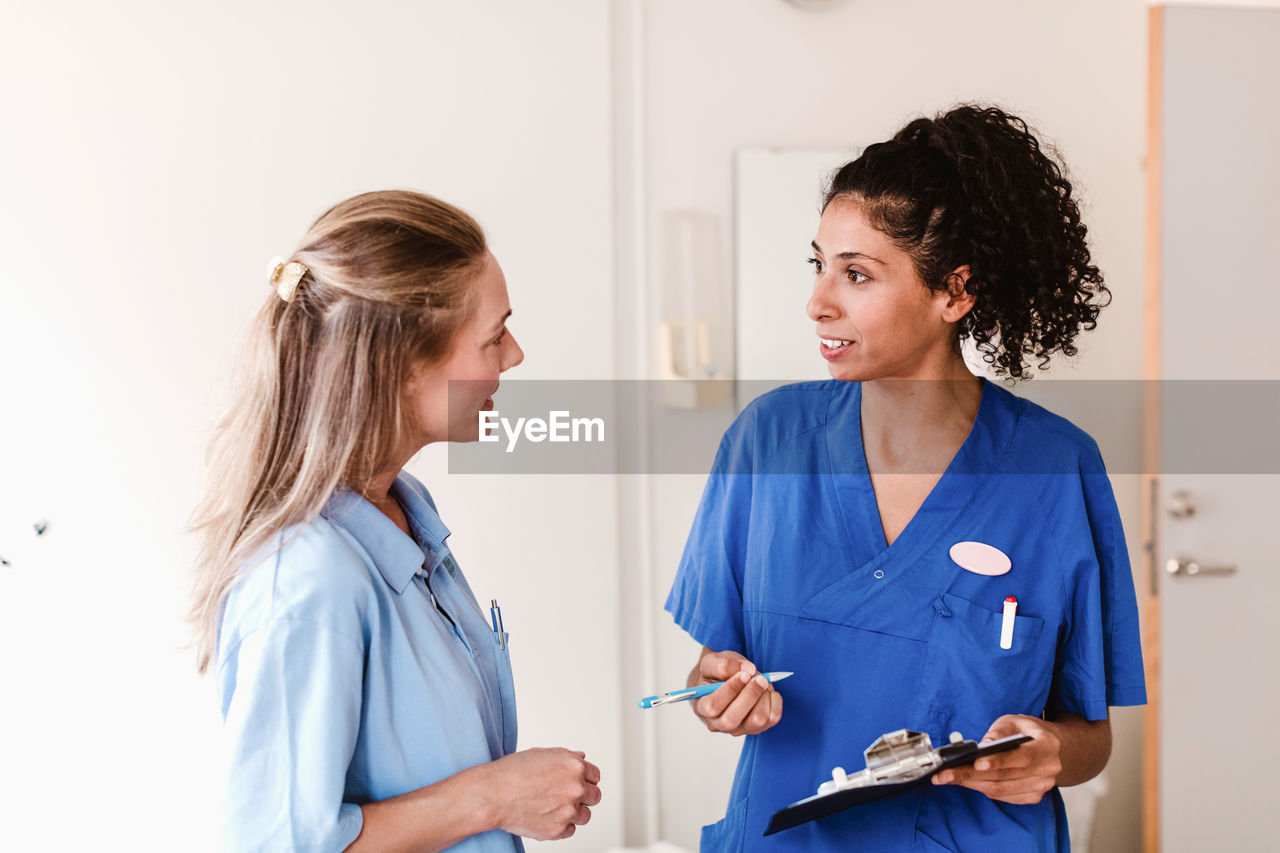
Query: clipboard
{"type": "Point", "coordinates": [955, 754]}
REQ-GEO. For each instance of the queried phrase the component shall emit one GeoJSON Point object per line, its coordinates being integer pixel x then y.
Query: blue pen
{"type": "Point", "coordinates": [495, 614]}
{"type": "Point", "coordinates": [701, 690]}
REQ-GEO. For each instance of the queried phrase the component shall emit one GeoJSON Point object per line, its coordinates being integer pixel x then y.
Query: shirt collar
{"type": "Point", "coordinates": [398, 557]}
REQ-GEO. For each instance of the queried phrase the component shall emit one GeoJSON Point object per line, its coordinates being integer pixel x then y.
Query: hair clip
{"type": "Point", "coordinates": [285, 277]}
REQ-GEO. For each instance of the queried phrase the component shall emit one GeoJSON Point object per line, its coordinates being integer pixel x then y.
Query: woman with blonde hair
{"type": "Point", "coordinates": [367, 703]}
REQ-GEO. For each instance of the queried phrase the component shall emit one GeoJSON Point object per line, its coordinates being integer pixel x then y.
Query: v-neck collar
{"type": "Point", "coordinates": [872, 568]}
{"type": "Point", "coordinates": [977, 456]}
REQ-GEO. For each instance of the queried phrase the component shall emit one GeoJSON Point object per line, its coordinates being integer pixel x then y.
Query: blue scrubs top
{"type": "Point", "coordinates": [342, 683]}
{"type": "Point", "coordinates": [788, 564]}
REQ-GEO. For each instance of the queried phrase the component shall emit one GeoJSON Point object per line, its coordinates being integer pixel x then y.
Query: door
{"type": "Point", "coordinates": [1215, 572]}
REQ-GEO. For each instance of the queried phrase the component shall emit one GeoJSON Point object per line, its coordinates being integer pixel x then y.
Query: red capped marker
{"type": "Point", "coordinates": [1006, 624]}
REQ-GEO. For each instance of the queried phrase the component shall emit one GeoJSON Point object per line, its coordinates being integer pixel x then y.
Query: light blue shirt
{"type": "Point", "coordinates": [342, 682]}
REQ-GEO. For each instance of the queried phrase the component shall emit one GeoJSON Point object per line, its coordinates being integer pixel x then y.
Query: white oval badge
{"type": "Point", "coordinates": [980, 558]}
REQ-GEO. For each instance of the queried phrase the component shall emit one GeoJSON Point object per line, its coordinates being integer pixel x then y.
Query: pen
{"type": "Point", "coordinates": [700, 690]}
{"type": "Point", "coordinates": [1006, 622]}
{"type": "Point", "coordinates": [495, 614]}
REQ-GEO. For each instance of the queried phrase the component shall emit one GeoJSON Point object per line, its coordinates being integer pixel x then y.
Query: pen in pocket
{"type": "Point", "coordinates": [495, 614]}
{"type": "Point", "coordinates": [1006, 623]}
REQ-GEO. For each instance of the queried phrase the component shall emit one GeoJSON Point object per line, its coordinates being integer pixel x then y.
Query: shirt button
{"type": "Point", "coordinates": [879, 574]}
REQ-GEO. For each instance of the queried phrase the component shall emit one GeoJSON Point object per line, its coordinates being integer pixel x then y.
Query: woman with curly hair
{"type": "Point", "coordinates": [906, 501]}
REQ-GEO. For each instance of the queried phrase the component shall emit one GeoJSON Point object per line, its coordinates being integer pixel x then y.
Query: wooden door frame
{"type": "Point", "coordinates": [1151, 436]}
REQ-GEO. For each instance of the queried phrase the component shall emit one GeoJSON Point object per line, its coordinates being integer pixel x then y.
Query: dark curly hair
{"type": "Point", "coordinates": [974, 186]}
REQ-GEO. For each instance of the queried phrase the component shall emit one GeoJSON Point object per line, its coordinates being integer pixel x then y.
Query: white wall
{"type": "Point", "coordinates": [727, 74]}
{"type": "Point", "coordinates": [155, 156]}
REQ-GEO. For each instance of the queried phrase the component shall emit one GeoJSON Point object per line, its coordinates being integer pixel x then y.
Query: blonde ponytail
{"type": "Point", "coordinates": [380, 285]}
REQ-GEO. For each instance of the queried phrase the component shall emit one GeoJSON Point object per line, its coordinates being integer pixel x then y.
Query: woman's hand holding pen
{"type": "Point", "coordinates": [544, 794]}
{"type": "Point", "coordinates": [746, 704]}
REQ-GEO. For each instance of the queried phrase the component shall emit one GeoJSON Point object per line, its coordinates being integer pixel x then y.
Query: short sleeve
{"type": "Point", "coordinates": [1099, 661]}
{"type": "Point", "coordinates": [291, 707]}
{"type": "Point", "coordinates": [706, 596]}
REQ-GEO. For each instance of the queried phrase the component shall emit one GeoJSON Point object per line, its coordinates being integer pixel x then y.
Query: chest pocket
{"type": "Point", "coordinates": [969, 680]}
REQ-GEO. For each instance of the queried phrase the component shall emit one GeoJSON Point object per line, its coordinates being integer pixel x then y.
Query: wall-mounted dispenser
{"type": "Point", "coordinates": [695, 336]}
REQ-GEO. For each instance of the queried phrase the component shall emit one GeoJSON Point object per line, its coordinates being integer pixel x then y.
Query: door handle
{"type": "Point", "coordinates": [1181, 505]}
{"type": "Point", "coordinates": [1190, 568]}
